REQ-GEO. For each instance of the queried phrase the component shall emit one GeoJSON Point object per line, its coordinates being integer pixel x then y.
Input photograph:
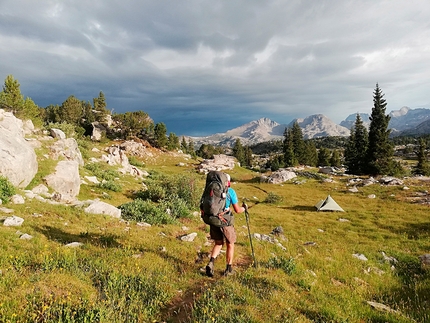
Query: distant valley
{"type": "Point", "coordinates": [405, 121]}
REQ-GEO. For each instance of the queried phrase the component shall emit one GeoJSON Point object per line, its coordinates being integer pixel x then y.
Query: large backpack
{"type": "Point", "coordinates": [212, 203]}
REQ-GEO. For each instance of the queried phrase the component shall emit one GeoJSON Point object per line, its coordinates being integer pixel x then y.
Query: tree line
{"type": "Point", "coordinates": [83, 115]}
{"type": "Point", "coordinates": [365, 152]}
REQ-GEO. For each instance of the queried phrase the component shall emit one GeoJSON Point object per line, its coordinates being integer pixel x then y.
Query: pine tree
{"type": "Point", "coordinates": [335, 159]}
{"type": "Point", "coordinates": [298, 143]}
{"type": "Point", "coordinates": [160, 137]}
{"type": "Point", "coordinates": [356, 148]}
{"type": "Point", "coordinates": [311, 154]}
{"type": "Point", "coordinates": [72, 110]}
{"type": "Point", "coordinates": [248, 156]}
{"type": "Point", "coordinates": [11, 98]}
{"type": "Point", "coordinates": [172, 141]}
{"type": "Point", "coordinates": [190, 149]}
{"type": "Point", "coordinates": [422, 167]}
{"type": "Point", "coordinates": [379, 151]}
{"type": "Point", "coordinates": [100, 109]}
{"type": "Point", "coordinates": [11, 95]}
{"type": "Point", "coordinates": [290, 159]}
{"type": "Point", "coordinates": [184, 145]}
{"type": "Point", "coordinates": [323, 157]}
{"type": "Point", "coordinates": [239, 152]}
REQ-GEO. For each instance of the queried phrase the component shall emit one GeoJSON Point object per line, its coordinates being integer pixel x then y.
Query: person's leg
{"type": "Point", "coordinates": [214, 253]}
{"type": "Point", "coordinates": [230, 253]}
{"type": "Point", "coordinates": [218, 237]}
{"type": "Point", "coordinates": [230, 237]}
{"type": "Point", "coordinates": [217, 248]}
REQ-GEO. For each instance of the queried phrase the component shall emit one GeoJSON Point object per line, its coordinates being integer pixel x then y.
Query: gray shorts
{"type": "Point", "coordinates": [227, 233]}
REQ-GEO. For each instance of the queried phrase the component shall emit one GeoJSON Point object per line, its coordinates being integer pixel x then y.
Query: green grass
{"type": "Point", "coordinates": [128, 273]}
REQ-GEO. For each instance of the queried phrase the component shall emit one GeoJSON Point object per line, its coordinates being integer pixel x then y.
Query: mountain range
{"type": "Point", "coordinates": [405, 121]}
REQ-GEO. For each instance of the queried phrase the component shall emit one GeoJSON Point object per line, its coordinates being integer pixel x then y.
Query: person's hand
{"type": "Point", "coordinates": [245, 206]}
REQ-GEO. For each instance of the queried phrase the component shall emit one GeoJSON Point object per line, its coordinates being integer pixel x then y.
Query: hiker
{"type": "Point", "coordinates": [225, 233]}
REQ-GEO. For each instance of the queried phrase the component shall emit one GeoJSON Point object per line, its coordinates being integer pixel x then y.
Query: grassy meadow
{"type": "Point", "coordinates": [126, 272]}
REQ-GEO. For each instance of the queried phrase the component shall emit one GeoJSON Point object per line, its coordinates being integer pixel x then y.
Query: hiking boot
{"type": "Point", "coordinates": [228, 272]}
{"type": "Point", "coordinates": [210, 269]}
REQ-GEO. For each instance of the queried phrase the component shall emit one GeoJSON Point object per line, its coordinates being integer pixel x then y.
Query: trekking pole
{"type": "Point", "coordinates": [249, 234]}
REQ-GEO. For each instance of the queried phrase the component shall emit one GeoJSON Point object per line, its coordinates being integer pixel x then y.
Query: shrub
{"type": "Point", "coordinates": [6, 189]}
{"type": "Point", "coordinates": [68, 129]}
{"type": "Point", "coordinates": [273, 198]}
{"type": "Point", "coordinates": [111, 185]}
{"type": "Point", "coordinates": [135, 162]}
{"type": "Point", "coordinates": [145, 211]}
{"type": "Point", "coordinates": [177, 207]}
{"type": "Point", "coordinates": [96, 169]}
{"type": "Point", "coordinates": [287, 265]}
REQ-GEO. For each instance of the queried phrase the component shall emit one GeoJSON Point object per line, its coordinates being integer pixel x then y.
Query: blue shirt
{"type": "Point", "coordinates": [231, 198]}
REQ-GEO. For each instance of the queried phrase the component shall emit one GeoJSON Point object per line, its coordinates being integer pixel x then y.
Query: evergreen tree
{"type": "Point", "coordinates": [52, 114]}
{"type": "Point", "coordinates": [190, 148]}
{"type": "Point", "coordinates": [11, 98]}
{"type": "Point", "coordinates": [311, 154]}
{"type": "Point", "coordinates": [248, 156]}
{"type": "Point", "coordinates": [208, 151]}
{"type": "Point", "coordinates": [379, 151]}
{"type": "Point", "coordinates": [298, 143]}
{"type": "Point", "coordinates": [290, 159]}
{"type": "Point", "coordinates": [335, 159]}
{"type": "Point", "coordinates": [11, 95]}
{"type": "Point", "coordinates": [136, 123]}
{"type": "Point", "coordinates": [239, 152]}
{"type": "Point", "coordinates": [100, 110]}
{"type": "Point", "coordinates": [422, 167]}
{"type": "Point", "coordinates": [356, 148]}
{"type": "Point", "coordinates": [72, 110]}
{"type": "Point", "coordinates": [160, 137]}
{"type": "Point", "coordinates": [172, 141]}
{"type": "Point", "coordinates": [323, 157]}
{"type": "Point", "coordinates": [184, 145]}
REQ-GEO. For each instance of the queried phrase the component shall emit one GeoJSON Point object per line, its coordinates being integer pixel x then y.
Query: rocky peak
{"type": "Point", "coordinates": [318, 125]}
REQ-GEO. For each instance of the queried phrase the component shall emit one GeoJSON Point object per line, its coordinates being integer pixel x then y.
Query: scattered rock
{"type": "Point", "coordinates": [13, 221]}
{"type": "Point", "coordinates": [280, 176]}
{"type": "Point", "coordinates": [57, 134]}
{"type": "Point", "coordinates": [99, 207]}
{"type": "Point", "coordinates": [219, 162]}
{"type": "Point", "coordinates": [5, 210]}
{"type": "Point", "coordinates": [40, 189]}
{"type": "Point", "coordinates": [310, 243]}
{"type": "Point", "coordinates": [360, 256]}
{"type": "Point", "coordinates": [388, 259]}
{"type": "Point", "coordinates": [17, 199]}
{"type": "Point", "coordinates": [278, 231]}
{"type": "Point", "coordinates": [353, 189]}
{"type": "Point", "coordinates": [143, 224]}
{"type": "Point", "coordinates": [425, 259]}
{"type": "Point", "coordinates": [74, 245]}
{"type": "Point", "coordinates": [26, 236]}
{"type": "Point", "coordinates": [381, 307]}
{"type": "Point", "coordinates": [189, 237]}
{"type": "Point", "coordinates": [343, 220]}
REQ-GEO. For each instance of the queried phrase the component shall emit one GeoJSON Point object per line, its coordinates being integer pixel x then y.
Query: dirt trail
{"type": "Point", "coordinates": [180, 308]}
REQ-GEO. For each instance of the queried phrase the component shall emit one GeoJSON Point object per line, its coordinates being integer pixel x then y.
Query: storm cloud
{"type": "Point", "coordinates": [203, 67]}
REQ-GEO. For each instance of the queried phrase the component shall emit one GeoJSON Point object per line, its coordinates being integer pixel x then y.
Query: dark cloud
{"type": "Point", "coordinates": [203, 67]}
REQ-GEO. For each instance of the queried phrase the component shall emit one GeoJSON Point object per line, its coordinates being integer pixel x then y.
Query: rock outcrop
{"type": "Point", "coordinates": [65, 180]}
{"type": "Point", "coordinates": [18, 161]}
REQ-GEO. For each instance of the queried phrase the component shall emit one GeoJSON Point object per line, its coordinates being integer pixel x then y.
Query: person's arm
{"type": "Point", "coordinates": [237, 208]}
{"type": "Point", "coordinates": [235, 202]}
